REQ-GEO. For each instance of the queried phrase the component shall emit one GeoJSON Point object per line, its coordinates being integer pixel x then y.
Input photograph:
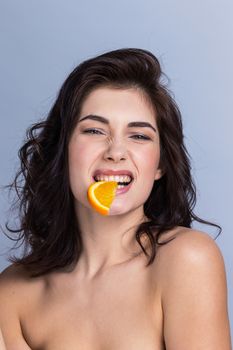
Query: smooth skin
{"type": "Point", "coordinates": [2, 344]}
{"type": "Point", "coordinates": [111, 300]}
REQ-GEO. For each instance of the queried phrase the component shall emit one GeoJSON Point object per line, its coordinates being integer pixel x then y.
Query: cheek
{"type": "Point", "coordinates": [76, 159]}
{"type": "Point", "coordinates": [149, 161]}
{"type": "Point", "coordinates": [80, 157]}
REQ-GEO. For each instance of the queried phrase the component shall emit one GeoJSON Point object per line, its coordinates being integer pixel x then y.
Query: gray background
{"type": "Point", "coordinates": [42, 41]}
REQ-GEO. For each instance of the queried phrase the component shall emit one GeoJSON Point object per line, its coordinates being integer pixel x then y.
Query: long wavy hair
{"type": "Point", "coordinates": [48, 227]}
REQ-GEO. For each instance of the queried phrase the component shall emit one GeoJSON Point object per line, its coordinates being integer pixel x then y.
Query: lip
{"type": "Point", "coordinates": [113, 172]}
{"type": "Point", "coordinates": [116, 172]}
{"type": "Point", "coordinates": [124, 189]}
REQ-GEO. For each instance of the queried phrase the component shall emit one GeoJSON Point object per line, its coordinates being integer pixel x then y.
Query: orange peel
{"type": "Point", "coordinates": [101, 195]}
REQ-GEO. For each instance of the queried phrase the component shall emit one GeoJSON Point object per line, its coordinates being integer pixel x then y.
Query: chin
{"type": "Point", "coordinates": [117, 210]}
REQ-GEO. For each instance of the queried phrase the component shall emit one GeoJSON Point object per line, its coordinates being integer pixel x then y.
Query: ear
{"type": "Point", "coordinates": [158, 174]}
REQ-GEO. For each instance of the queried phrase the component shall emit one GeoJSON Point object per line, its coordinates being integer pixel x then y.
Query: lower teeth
{"type": "Point", "coordinates": [120, 186]}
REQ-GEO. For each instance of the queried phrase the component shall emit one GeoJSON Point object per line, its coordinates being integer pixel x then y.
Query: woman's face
{"type": "Point", "coordinates": [113, 144]}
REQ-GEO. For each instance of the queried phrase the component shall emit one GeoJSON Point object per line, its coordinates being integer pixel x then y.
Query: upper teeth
{"type": "Point", "coordinates": [124, 178]}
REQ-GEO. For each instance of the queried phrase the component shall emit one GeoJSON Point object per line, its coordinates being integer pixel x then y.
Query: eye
{"type": "Point", "coordinates": [141, 137]}
{"type": "Point", "coordinates": [92, 131]}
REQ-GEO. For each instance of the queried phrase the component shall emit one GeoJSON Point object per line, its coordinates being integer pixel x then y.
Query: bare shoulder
{"type": "Point", "coordinates": [194, 291]}
{"type": "Point", "coordinates": [10, 279]}
{"type": "Point", "coordinates": [186, 247]}
{"type": "Point", "coordinates": [190, 254]}
{"type": "Point", "coordinates": [13, 278]}
{"type": "Point", "coordinates": [189, 244]}
{"type": "Point", "coordinates": [13, 271]}
{"type": "Point", "coordinates": [16, 285]}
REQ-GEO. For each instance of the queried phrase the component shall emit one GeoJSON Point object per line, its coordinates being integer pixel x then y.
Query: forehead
{"type": "Point", "coordinates": [112, 103]}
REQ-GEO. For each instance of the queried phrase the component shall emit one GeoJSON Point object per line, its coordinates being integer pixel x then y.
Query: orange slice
{"type": "Point", "coordinates": [101, 194]}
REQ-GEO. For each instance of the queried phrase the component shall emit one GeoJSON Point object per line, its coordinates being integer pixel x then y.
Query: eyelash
{"type": "Point", "coordinates": [142, 137]}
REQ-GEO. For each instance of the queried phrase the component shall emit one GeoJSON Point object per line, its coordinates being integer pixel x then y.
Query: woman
{"type": "Point", "coordinates": [139, 278]}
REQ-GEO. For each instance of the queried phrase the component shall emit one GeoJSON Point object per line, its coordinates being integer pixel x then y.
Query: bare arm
{"type": "Point", "coordinates": [195, 295]}
{"type": "Point", "coordinates": [9, 320]}
{"type": "Point", "coordinates": [2, 344]}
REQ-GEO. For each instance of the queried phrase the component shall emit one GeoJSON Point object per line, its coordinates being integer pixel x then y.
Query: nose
{"type": "Point", "coordinates": [115, 151]}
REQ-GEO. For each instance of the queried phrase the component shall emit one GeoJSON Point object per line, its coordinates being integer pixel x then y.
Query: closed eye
{"type": "Point", "coordinates": [94, 131]}
{"type": "Point", "coordinates": [141, 137]}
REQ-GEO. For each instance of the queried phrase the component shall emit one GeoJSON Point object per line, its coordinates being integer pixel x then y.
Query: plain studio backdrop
{"type": "Point", "coordinates": [42, 41]}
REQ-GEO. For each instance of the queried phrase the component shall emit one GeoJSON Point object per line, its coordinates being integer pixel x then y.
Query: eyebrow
{"type": "Point", "coordinates": [106, 121]}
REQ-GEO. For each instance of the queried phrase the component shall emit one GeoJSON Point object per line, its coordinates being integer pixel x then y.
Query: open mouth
{"type": "Point", "coordinates": [121, 184]}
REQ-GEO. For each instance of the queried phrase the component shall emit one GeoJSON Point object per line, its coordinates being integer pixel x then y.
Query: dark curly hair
{"type": "Point", "coordinates": [49, 228]}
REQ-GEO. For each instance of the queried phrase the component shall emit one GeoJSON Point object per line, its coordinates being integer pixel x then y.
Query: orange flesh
{"type": "Point", "coordinates": [101, 195]}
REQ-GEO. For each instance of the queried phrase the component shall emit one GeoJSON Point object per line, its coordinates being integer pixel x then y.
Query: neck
{"type": "Point", "coordinates": [107, 240]}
